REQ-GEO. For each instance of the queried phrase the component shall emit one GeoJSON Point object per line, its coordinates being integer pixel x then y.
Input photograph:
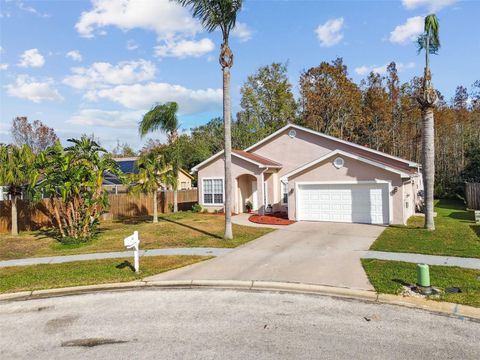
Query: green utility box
{"type": "Point", "coordinates": [423, 275]}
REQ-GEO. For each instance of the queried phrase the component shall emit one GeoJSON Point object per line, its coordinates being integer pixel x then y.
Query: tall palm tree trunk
{"type": "Point", "coordinates": [228, 235]}
{"type": "Point", "coordinates": [173, 139]}
{"type": "Point", "coordinates": [14, 215]}
{"type": "Point", "coordinates": [155, 207]}
{"type": "Point", "coordinates": [428, 155]}
{"type": "Point", "coordinates": [175, 198]}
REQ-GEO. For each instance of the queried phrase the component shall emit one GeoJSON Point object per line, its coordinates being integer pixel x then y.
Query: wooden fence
{"type": "Point", "coordinates": [31, 217]}
{"type": "Point", "coordinates": [472, 195]}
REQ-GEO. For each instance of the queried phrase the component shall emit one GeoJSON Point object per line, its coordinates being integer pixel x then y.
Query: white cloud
{"type": "Point", "coordinates": [382, 69]}
{"type": "Point", "coordinates": [185, 48]}
{"type": "Point", "coordinates": [131, 45]}
{"type": "Point", "coordinates": [3, 66]}
{"type": "Point", "coordinates": [74, 55]}
{"type": "Point", "coordinates": [165, 17]}
{"type": "Point", "coordinates": [329, 33]}
{"type": "Point", "coordinates": [103, 74]}
{"type": "Point", "coordinates": [242, 32]}
{"type": "Point", "coordinates": [110, 119]}
{"type": "Point", "coordinates": [143, 96]}
{"type": "Point", "coordinates": [31, 58]}
{"type": "Point", "coordinates": [431, 5]}
{"type": "Point", "coordinates": [28, 8]}
{"type": "Point", "coordinates": [26, 87]}
{"type": "Point", "coordinates": [407, 32]}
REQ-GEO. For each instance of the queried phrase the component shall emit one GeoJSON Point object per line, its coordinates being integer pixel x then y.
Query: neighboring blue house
{"type": "Point", "coordinates": [129, 166]}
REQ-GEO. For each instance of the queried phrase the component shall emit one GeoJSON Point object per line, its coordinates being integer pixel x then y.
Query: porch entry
{"type": "Point", "coordinates": [246, 190]}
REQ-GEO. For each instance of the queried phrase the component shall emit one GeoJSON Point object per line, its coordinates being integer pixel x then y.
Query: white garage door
{"type": "Point", "coordinates": [358, 203]}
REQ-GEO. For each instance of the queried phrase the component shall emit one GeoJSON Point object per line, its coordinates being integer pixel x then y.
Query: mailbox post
{"type": "Point", "coordinates": [133, 242]}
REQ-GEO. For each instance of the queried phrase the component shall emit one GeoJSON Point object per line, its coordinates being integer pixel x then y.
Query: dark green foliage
{"type": "Point", "coordinates": [72, 178]}
{"type": "Point", "coordinates": [196, 208]}
{"type": "Point", "coordinates": [471, 172]}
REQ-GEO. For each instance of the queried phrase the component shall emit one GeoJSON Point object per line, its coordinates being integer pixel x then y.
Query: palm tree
{"type": "Point", "coordinates": [152, 173]}
{"type": "Point", "coordinates": [72, 180]}
{"type": "Point", "coordinates": [430, 42]}
{"type": "Point", "coordinates": [214, 15]}
{"type": "Point", "coordinates": [16, 174]}
{"type": "Point", "coordinates": [164, 118]}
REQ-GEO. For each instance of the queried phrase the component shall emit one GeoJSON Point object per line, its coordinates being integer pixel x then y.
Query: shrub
{"type": "Point", "coordinates": [72, 179]}
{"type": "Point", "coordinates": [196, 208]}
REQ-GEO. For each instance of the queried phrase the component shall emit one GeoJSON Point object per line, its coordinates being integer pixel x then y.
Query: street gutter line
{"type": "Point", "coordinates": [445, 308]}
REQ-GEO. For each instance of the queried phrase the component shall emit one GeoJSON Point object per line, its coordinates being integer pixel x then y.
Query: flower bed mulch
{"type": "Point", "coordinates": [271, 219]}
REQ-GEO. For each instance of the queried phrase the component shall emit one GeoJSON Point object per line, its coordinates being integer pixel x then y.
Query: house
{"type": "Point", "coordinates": [128, 166]}
{"type": "Point", "coordinates": [315, 177]}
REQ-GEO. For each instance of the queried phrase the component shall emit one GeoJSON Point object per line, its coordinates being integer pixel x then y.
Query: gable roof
{"type": "Point", "coordinates": [183, 171]}
{"type": "Point", "coordinates": [383, 166]}
{"type": "Point", "coordinates": [298, 127]}
{"type": "Point", "coordinates": [241, 154]}
{"type": "Point", "coordinates": [258, 160]}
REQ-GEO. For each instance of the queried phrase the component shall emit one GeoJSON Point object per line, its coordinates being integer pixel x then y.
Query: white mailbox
{"type": "Point", "coordinates": [133, 242]}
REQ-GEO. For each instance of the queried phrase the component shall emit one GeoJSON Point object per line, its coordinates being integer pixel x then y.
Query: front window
{"type": "Point", "coordinates": [284, 192]}
{"type": "Point", "coordinates": [213, 191]}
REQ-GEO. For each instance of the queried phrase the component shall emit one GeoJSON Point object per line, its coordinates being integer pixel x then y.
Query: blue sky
{"type": "Point", "coordinates": [97, 66]}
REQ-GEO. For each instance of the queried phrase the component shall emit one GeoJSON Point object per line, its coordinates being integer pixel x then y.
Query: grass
{"type": "Point", "coordinates": [182, 229]}
{"type": "Point", "coordinates": [455, 235]}
{"type": "Point", "coordinates": [388, 276]}
{"type": "Point", "coordinates": [78, 273]}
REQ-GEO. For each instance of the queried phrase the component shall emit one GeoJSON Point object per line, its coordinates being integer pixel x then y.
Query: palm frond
{"type": "Point", "coordinates": [161, 117]}
{"type": "Point", "coordinates": [432, 28]}
{"type": "Point", "coordinates": [214, 14]}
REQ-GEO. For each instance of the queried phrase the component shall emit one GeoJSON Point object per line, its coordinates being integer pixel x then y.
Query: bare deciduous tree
{"type": "Point", "coordinates": [36, 135]}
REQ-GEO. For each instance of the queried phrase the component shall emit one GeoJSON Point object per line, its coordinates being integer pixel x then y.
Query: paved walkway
{"type": "Point", "coordinates": [114, 255]}
{"type": "Point", "coordinates": [469, 263]}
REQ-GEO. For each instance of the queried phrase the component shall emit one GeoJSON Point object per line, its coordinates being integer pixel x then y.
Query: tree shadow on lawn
{"type": "Point", "coordinates": [65, 243]}
{"type": "Point", "coordinates": [401, 282]}
{"type": "Point", "coordinates": [463, 216]}
{"type": "Point", "coordinates": [406, 227]}
{"type": "Point", "coordinates": [129, 220]}
{"type": "Point", "coordinates": [192, 228]}
{"type": "Point", "coordinates": [450, 204]}
{"type": "Point", "coordinates": [126, 264]}
{"type": "Point", "coordinates": [476, 229]}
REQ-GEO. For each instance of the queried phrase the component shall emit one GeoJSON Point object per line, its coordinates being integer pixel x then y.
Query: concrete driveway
{"type": "Point", "coordinates": [307, 252]}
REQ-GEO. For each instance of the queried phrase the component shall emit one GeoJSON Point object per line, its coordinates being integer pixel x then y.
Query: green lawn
{"type": "Point", "coordinates": [183, 229]}
{"type": "Point", "coordinates": [77, 273]}
{"type": "Point", "coordinates": [388, 276]}
{"type": "Point", "coordinates": [456, 234]}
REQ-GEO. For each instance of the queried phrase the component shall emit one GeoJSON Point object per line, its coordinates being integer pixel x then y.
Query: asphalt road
{"type": "Point", "coordinates": [227, 324]}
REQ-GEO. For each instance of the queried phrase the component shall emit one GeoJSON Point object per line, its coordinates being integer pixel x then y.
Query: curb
{"type": "Point", "coordinates": [446, 308]}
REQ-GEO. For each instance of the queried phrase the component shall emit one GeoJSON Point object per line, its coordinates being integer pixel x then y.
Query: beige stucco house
{"type": "Point", "coordinates": [314, 177]}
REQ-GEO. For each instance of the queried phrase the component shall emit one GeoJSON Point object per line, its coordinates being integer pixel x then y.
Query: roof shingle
{"type": "Point", "coordinates": [257, 158]}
